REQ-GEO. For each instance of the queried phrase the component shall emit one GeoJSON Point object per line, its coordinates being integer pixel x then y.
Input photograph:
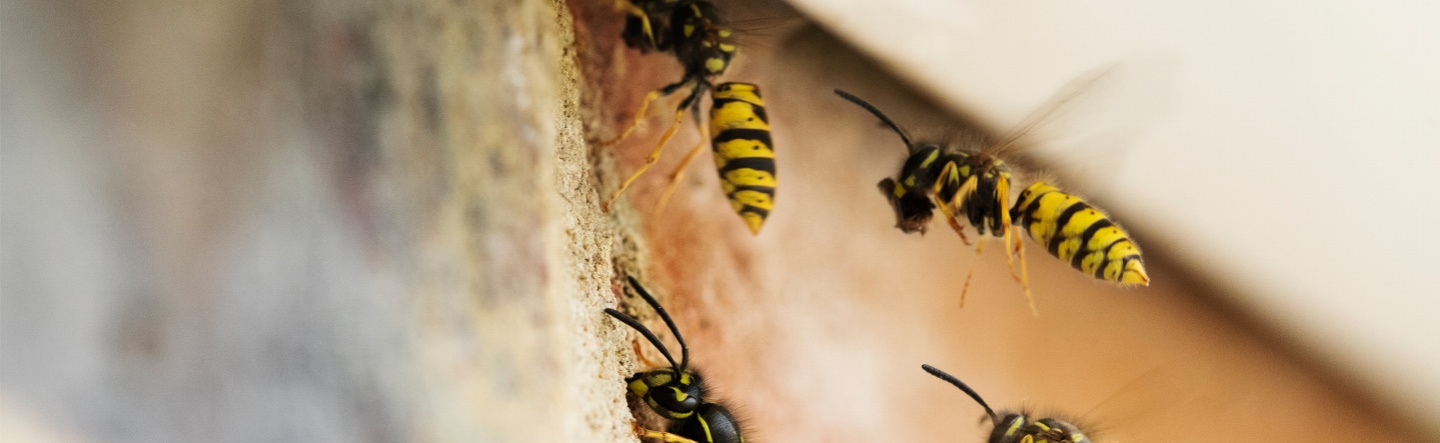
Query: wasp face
{"type": "Point", "coordinates": [913, 209]}
{"type": "Point", "coordinates": [674, 397]}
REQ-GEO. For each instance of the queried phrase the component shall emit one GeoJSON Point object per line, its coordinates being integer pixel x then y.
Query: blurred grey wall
{"type": "Point", "coordinates": [298, 221]}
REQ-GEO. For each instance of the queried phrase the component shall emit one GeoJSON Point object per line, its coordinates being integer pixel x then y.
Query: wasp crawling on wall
{"type": "Point", "coordinates": [690, 30]}
{"type": "Point", "coordinates": [973, 183]}
{"type": "Point", "coordinates": [1017, 427]}
{"type": "Point", "coordinates": [677, 392]}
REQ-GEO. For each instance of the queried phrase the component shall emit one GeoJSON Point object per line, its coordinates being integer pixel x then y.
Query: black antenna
{"type": "Point", "coordinates": [684, 350]}
{"type": "Point", "coordinates": [873, 110]}
{"type": "Point", "coordinates": [644, 331]}
{"type": "Point", "coordinates": [959, 384]}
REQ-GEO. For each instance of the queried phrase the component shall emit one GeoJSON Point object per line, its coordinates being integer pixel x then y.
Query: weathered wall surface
{"type": "Point", "coordinates": [301, 221]}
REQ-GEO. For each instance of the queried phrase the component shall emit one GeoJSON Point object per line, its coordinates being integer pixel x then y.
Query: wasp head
{"type": "Point", "coordinates": [674, 395]}
{"type": "Point", "coordinates": [913, 209]}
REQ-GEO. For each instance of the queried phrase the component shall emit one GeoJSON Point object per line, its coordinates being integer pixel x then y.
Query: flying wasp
{"type": "Point", "coordinates": [677, 392]}
{"type": "Point", "coordinates": [691, 31]}
{"type": "Point", "coordinates": [1017, 427]}
{"type": "Point", "coordinates": [973, 185]}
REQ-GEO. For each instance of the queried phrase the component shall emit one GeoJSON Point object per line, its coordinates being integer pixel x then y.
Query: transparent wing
{"type": "Point", "coordinates": [1086, 127]}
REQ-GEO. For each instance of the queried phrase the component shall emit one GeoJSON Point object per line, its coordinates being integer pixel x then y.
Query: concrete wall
{"type": "Point", "coordinates": [301, 221]}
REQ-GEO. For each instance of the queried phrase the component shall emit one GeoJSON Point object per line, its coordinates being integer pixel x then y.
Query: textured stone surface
{"type": "Point", "coordinates": [280, 221]}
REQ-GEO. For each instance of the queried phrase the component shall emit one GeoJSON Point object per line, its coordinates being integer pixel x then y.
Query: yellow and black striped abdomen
{"type": "Point", "coordinates": [1074, 232]}
{"type": "Point", "coordinates": [740, 134]}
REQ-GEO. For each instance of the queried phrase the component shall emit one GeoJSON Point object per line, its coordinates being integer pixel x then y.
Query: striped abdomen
{"type": "Point", "coordinates": [1079, 234]}
{"type": "Point", "coordinates": [712, 423]}
{"type": "Point", "coordinates": [743, 153]}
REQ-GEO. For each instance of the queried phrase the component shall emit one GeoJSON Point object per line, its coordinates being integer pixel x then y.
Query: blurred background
{"type": "Point", "coordinates": [333, 221]}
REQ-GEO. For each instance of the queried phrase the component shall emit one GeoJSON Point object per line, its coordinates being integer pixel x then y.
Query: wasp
{"type": "Point", "coordinates": [677, 393]}
{"type": "Point", "coordinates": [690, 30]}
{"type": "Point", "coordinates": [972, 184]}
{"type": "Point", "coordinates": [1017, 427]}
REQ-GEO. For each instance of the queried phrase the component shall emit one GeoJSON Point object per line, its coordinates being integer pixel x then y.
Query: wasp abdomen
{"type": "Point", "coordinates": [712, 424]}
{"type": "Point", "coordinates": [744, 154]}
{"type": "Point", "coordinates": [1075, 232]}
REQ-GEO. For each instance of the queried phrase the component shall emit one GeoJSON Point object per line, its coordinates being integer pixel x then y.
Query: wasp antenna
{"type": "Point", "coordinates": [904, 136]}
{"type": "Point", "coordinates": [960, 384]}
{"type": "Point", "coordinates": [684, 350]}
{"type": "Point", "coordinates": [633, 323]}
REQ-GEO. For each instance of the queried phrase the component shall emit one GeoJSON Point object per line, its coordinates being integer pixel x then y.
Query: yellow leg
{"type": "Point", "coordinates": [660, 435]}
{"type": "Point", "coordinates": [1009, 252]}
{"type": "Point", "coordinates": [1024, 273]}
{"type": "Point", "coordinates": [946, 206]}
{"type": "Point", "coordinates": [979, 246]}
{"type": "Point", "coordinates": [630, 8]}
{"type": "Point", "coordinates": [635, 121]}
{"type": "Point", "coordinates": [953, 207]}
{"type": "Point", "coordinates": [676, 176]}
{"type": "Point", "coordinates": [649, 160]}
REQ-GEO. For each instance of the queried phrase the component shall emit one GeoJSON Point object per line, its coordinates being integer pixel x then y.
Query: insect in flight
{"type": "Point", "coordinates": [1017, 427]}
{"type": "Point", "coordinates": [743, 152]}
{"type": "Point", "coordinates": [974, 183]}
{"type": "Point", "coordinates": [677, 392]}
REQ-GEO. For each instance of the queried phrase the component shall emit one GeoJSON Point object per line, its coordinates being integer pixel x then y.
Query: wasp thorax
{"type": "Point", "coordinates": [700, 41]}
{"type": "Point", "coordinates": [1017, 428]}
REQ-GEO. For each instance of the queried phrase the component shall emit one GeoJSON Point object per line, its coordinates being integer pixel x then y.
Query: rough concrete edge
{"type": "Point", "coordinates": [586, 239]}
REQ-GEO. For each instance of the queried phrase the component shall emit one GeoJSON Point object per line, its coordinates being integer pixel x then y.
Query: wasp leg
{"type": "Point", "coordinates": [1024, 272]}
{"type": "Point", "coordinates": [1011, 263]}
{"type": "Point", "coordinates": [689, 156]}
{"type": "Point", "coordinates": [961, 195]}
{"type": "Point", "coordinates": [630, 8]}
{"type": "Point", "coordinates": [979, 246]}
{"type": "Point", "coordinates": [659, 147]}
{"type": "Point", "coordinates": [660, 435]}
{"type": "Point", "coordinates": [676, 176]}
{"type": "Point", "coordinates": [1010, 252]}
{"type": "Point", "coordinates": [689, 101]}
{"type": "Point", "coordinates": [955, 224]}
{"type": "Point", "coordinates": [1002, 193]}
{"type": "Point", "coordinates": [946, 207]}
{"type": "Point", "coordinates": [637, 119]}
